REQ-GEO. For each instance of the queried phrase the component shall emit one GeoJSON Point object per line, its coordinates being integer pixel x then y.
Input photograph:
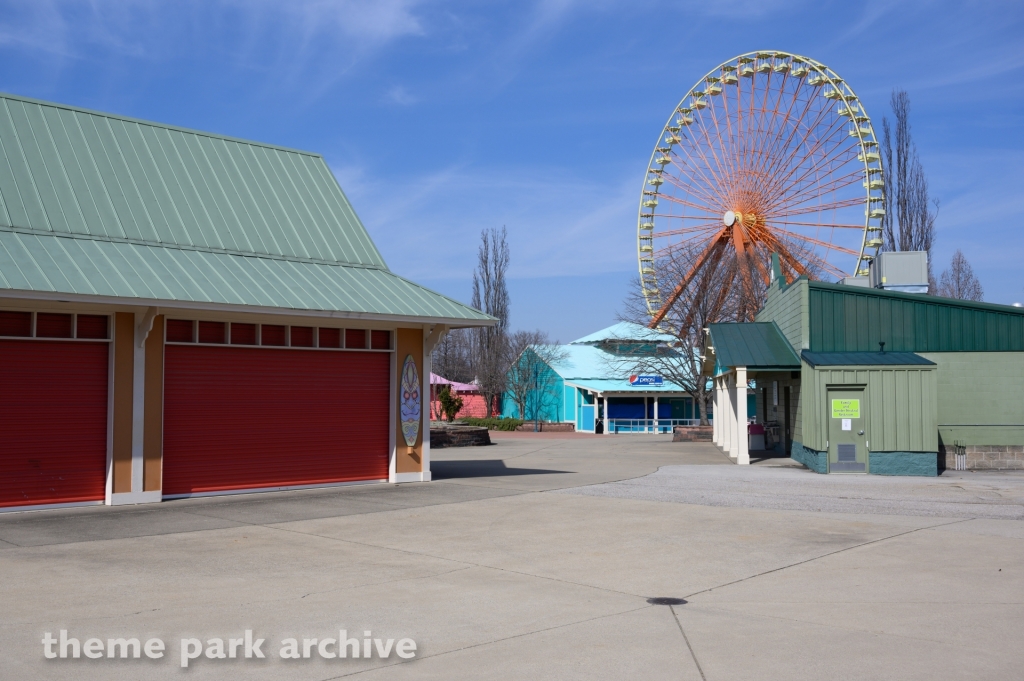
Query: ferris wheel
{"type": "Point", "coordinates": [770, 152]}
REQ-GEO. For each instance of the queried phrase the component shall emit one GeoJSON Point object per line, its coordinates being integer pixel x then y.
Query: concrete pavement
{"type": "Point", "coordinates": [510, 566]}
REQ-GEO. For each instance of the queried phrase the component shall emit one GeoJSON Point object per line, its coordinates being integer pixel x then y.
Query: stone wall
{"type": "Point", "coordinates": [693, 434]}
{"type": "Point", "coordinates": [903, 463]}
{"type": "Point", "coordinates": [988, 457]}
{"type": "Point", "coordinates": [816, 461]}
{"type": "Point", "coordinates": [547, 427]}
{"type": "Point", "coordinates": [458, 436]}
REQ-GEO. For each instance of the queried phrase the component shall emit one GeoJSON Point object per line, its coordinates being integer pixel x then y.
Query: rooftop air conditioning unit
{"type": "Point", "coordinates": [905, 271]}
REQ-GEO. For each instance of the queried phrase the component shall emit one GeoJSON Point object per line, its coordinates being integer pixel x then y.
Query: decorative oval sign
{"type": "Point", "coordinates": [410, 403]}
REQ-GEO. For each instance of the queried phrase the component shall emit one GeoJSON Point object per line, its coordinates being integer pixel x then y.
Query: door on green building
{"type": "Point", "coordinates": [847, 425]}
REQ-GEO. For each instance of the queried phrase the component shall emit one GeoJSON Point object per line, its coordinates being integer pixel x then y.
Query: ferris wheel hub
{"type": "Point", "coordinates": [730, 218]}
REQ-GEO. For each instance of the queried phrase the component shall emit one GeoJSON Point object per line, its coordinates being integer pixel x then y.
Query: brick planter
{"type": "Point", "coordinates": [692, 434]}
{"type": "Point", "coordinates": [545, 427]}
{"type": "Point", "coordinates": [459, 436]}
{"type": "Point", "coordinates": [989, 457]}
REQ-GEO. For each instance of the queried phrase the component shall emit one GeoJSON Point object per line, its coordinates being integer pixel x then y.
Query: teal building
{"type": "Point", "coordinates": [589, 386]}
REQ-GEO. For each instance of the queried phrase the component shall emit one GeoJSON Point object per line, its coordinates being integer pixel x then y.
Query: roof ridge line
{"type": "Point", "coordinates": [200, 249]}
{"type": "Point", "coordinates": [168, 126]}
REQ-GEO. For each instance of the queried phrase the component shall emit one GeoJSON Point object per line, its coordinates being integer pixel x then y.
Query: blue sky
{"type": "Point", "coordinates": [443, 118]}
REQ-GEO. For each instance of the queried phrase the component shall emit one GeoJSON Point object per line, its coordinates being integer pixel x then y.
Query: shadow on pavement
{"type": "Point", "coordinates": [481, 468]}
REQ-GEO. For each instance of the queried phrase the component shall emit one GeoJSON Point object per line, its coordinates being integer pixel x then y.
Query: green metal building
{"type": "Point", "coordinates": [949, 377]}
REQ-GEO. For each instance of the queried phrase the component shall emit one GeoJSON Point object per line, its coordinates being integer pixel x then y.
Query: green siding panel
{"type": "Point", "coordinates": [847, 319]}
{"type": "Point", "coordinates": [902, 406]}
{"type": "Point", "coordinates": [975, 397]}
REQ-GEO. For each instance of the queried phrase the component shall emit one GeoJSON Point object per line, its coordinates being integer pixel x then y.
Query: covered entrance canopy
{"type": "Point", "coordinates": [736, 353]}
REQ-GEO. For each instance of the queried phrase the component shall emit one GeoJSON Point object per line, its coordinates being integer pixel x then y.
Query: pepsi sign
{"type": "Point", "coordinates": [646, 380]}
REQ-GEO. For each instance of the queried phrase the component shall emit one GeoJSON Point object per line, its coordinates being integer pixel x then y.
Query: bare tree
{"type": "Point", "coordinates": [490, 295]}
{"type": "Point", "coordinates": [453, 356]}
{"type": "Point", "coordinates": [530, 377]}
{"type": "Point", "coordinates": [709, 299]}
{"type": "Point", "coordinates": [959, 281]}
{"type": "Point", "coordinates": [909, 222]}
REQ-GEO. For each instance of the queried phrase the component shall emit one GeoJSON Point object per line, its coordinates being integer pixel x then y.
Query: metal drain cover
{"type": "Point", "coordinates": [664, 600]}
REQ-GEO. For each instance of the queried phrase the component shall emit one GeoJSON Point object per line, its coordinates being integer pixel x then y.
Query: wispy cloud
{"type": "Point", "coordinates": [265, 33]}
{"type": "Point", "coordinates": [399, 95]}
{"type": "Point", "coordinates": [558, 224]}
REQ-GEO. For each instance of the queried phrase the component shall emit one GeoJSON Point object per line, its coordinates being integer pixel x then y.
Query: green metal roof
{"type": "Point", "coordinates": [756, 345]}
{"type": "Point", "coordinates": [855, 319]}
{"type": "Point", "coordinates": [864, 359]}
{"type": "Point", "coordinates": [102, 205]}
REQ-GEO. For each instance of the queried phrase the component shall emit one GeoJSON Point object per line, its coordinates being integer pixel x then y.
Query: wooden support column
{"type": "Point", "coordinates": [134, 407]}
{"type": "Point", "coordinates": [407, 462]}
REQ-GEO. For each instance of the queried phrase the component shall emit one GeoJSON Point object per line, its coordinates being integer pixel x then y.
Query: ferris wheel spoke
{"type": "Point", "coordinates": [706, 184]}
{"type": "Point", "coordinates": [817, 242]}
{"type": "Point", "coordinates": [825, 164]}
{"type": "Point", "coordinates": [770, 138]}
{"type": "Point", "coordinates": [687, 187]}
{"type": "Point", "coordinates": [763, 166]}
{"type": "Point", "coordinates": [790, 150]}
{"type": "Point", "coordinates": [804, 184]}
{"type": "Point", "coordinates": [731, 169]}
{"type": "Point", "coordinates": [786, 144]}
{"type": "Point", "coordinates": [714, 183]}
{"type": "Point", "coordinates": [690, 204]}
{"type": "Point", "coordinates": [812, 190]}
{"type": "Point", "coordinates": [817, 153]}
{"type": "Point", "coordinates": [832, 205]}
{"type": "Point", "coordinates": [722, 173]}
{"type": "Point", "coordinates": [823, 225]}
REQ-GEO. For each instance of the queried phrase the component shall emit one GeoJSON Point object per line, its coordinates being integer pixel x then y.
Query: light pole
{"type": "Point", "coordinates": [535, 380]}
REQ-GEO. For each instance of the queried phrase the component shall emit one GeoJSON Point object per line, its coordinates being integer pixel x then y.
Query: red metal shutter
{"type": "Point", "coordinates": [53, 422]}
{"type": "Point", "coordinates": [238, 418]}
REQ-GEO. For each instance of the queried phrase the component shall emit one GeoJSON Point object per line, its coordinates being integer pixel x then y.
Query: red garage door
{"type": "Point", "coordinates": [53, 422]}
{"type": "Point", "coordinates": [238, 418]}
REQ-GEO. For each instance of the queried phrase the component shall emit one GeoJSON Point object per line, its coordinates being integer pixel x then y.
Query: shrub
{"type": "Point", "coordinates": [494, 423]}
{"type": "Point", "coordinates": [450, 402]}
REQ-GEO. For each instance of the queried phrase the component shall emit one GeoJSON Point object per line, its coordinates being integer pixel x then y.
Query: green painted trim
{"type": "Point", "coordinates": [816, 461]}
{"type": "Point", "coordinates": [904, 463]}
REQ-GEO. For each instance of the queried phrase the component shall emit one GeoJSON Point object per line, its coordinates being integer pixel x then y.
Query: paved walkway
{"type": "Point", "coordinates": [516, 564]}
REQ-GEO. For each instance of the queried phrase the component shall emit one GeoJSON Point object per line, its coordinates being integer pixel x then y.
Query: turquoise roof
{"type": "Point", "coordinates": [592, 368]}
{"type": "Point", "coordinates": [94, 204]}
{"type": "Point", "coordinates": [626, 332]}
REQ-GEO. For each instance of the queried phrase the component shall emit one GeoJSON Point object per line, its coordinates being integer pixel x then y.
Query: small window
{"type": "Point", "coordinates": [272, 335]}
{"type": "Point", "coordinates": [92, 326]}
{"type": "Point", "coordinates": [16, 324]}
{"type": "Point", "coordinates": [211, 332]}
{"type": "Point", "coordinates": [302, 336]}
{"type": "Point", "coordinates": [50, 325]}
{"type": "Point", "coordinates": [355, 339]}
{"type": "Point", "coordinates": [380, 340]}
{"type": "Point", "coordinates": [179, 331]}
{"type": "Point", "coordinates": [330, 338]}
{"type": "Point", "coordinates": [243, 334]}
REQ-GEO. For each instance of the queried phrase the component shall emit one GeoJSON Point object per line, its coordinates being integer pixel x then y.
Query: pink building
{"type": "Point", "coordinates": [473, 403]}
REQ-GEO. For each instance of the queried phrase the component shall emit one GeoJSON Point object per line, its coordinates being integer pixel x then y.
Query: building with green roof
{"type": "Point", "coordinates": [849, 379]}
{"type": "Point", "coordinates": [185, 313]}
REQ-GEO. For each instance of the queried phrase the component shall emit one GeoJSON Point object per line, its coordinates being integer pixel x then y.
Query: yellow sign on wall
{"type": "Point", "coordinates": [846, 409]}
